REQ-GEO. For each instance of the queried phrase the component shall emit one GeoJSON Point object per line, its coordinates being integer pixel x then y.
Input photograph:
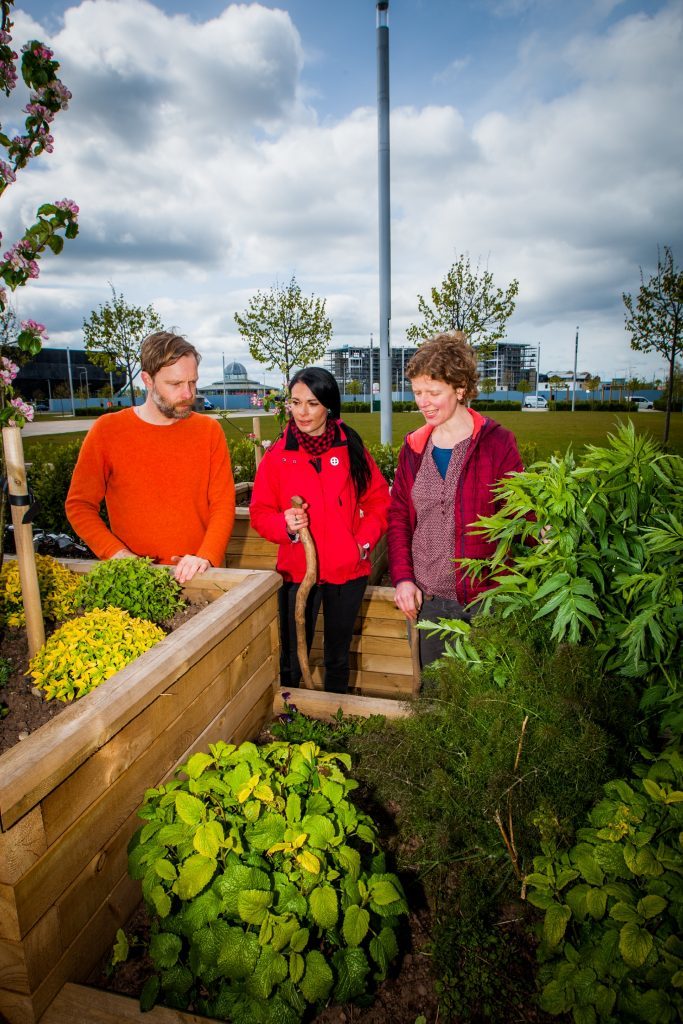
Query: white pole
{"type": "Point", "coordinates": [71, 383]}
{"type": "Point", "coordinates": [576, 353]}
{"type": "Point", "coordinates": [384, 220]}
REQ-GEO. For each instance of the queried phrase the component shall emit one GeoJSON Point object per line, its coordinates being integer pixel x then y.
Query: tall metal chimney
{"type": "Point", "coordinates": [384, 220]}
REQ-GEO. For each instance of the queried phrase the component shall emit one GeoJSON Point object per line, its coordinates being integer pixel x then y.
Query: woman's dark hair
{"type": "Point", "coordinates": [326, 390]}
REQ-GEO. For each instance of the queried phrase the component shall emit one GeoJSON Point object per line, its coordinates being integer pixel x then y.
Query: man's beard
{"type": "Point", "coordinates": [172, 412]}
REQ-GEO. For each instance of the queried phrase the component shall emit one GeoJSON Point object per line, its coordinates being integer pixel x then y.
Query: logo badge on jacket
{"type": "Point", "coordinates": [334, 461]}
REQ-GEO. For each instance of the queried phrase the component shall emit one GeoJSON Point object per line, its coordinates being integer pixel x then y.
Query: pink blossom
{"type": "Point", "coordinates": [38, 329]}
{"type": "Point", "coordinates": [23, 408]}
{"type": "Point", "coordinates": [68, 204]}
{"type": "Point", "coordinates": [38, 51]}
{"type": "Point", "coordinates": [7, 172]}
{"type": "Point", "coordinates": [8, 371]}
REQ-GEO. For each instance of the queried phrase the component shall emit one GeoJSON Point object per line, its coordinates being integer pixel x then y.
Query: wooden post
{"type": "Point", "coordinates": [256, 421]}
{"type": "Point", "coordinates": [302, 593]}
{"type": "Point", "coordinates": [415, 658]}
{"type": "Point", "coordinates": [23, 537]}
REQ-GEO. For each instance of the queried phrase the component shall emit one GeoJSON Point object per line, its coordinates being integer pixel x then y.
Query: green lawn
{"type": "Point", "coordinates": [549, 431]}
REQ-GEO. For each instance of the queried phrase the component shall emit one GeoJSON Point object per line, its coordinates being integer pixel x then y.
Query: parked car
{"type": "Point", "coordinates": [208, 404]}
{"type": "Point", "coordinates": [42, 406]}
{"type": "Point", "coordinates": [535, 402]}
{"type": "Point", "coordinates": [641, 402]}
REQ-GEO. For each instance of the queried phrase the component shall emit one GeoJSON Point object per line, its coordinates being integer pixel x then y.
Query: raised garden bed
{"type": "Point", "coordinates": [70, 791]}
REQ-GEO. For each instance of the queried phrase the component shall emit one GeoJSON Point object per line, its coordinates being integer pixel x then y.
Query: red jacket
{"type": "Point", "coordinates": [492, 453]}
{"type": "Point", "coordinates": [337, 520]}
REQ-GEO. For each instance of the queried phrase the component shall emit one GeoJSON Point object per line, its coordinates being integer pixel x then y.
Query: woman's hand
{"type": "Point", "coordinates": [408, 599]}
{"type": "Point", "coordinates": [296, 518]}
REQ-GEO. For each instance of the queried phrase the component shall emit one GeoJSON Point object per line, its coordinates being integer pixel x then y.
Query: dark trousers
{"type": "Point", "coordinates": [433, 609]}
{"type": "Point", "coordinates": [340, 603]}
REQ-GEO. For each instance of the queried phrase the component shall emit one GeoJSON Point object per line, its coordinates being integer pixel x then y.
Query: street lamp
{"type": "Point", "coordinates": [84, 370]}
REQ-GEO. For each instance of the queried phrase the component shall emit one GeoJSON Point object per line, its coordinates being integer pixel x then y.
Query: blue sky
{"type": "Point", "coordinates": [217, 149]}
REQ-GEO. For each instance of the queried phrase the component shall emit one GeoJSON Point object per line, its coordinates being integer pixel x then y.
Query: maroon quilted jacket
{"type": "Point", "coordinates": [492, 453]}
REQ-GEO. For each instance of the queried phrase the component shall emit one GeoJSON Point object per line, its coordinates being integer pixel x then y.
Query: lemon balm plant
{"type": "Point", "coordinates": [58, 588]}
{"type": "Point", "coordinates": [134, 585]}
{"type": "Point", "coordinates": [267, 892]}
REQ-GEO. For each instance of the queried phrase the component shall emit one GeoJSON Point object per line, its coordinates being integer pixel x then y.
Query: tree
{"type": "Point", "coordinates": [655, 320]}
{"type": "Point", "coordinates": [354, 388]}
{"type": "Point", "coordinates": [487, 386]}
{"type": "Point", "coordinates": [113, 335]}
{"type": "Point", "coordinates": [524, 387]}
{"type": "Point", "coordinates": [284, 329]}
{"type": "Point", "coordinates": [555, 382]}
{"type": "Point", "coordinates": [591, 385]}
{"type": "Point", "coordinates": [467, 301]}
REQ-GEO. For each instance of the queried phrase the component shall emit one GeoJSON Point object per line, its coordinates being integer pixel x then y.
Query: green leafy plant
{"type": "Point", "coordinates": [49, 474]}
{"type": "Point", "coordinates": [134, 585]}
{"type": "Point", "coordinates": [607, 563]}
{"type": "Point", "coordinates": [295, 727]}
{"type": "Point", "coordinates": [84, 652]}
{"type": "Point", "coordinates": [58, 587]}
{"type": "Point", "coordinates": [265, 885]}
{"type": "Point", "coordinates": [613, 904]}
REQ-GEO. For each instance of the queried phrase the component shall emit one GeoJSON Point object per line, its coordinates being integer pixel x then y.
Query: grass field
{"type": "Point", "coordinates": [549, 431]}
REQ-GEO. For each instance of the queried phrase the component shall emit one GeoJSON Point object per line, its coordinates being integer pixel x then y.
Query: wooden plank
{"type": "Point", "coordinates": [33, 768]}
{"type": "Point", "coordinates": [251, 725]}
{"type": "Point", "coordinates": [62, 807]}
{"type": "Point", "coordinates": [21, 846]}
{"type": "Point", "coordinates": [79, 1004]}
{"type": "Point", "coordinates": [24, 964]}
{"type": "Point", "coordinates": [230, 717]}
{"type": "Point", "coordinates": [259, 562]}
{"type": "Point", "coordinates": [17, 1009]}
{"type": "Point", "coordinates": [384, 684]}
{"type": "Point", "coordinates": [252, 544]}
{"type": "Point", "coordinates": [390, 647]}
{"type": "Point", "coordinates": [379, 601]}
{"type": "Point", "coordinates": [319, 704]}
{"type": "Point", "coordinates": [382, 663]}
{"type": "Point", "coordinates": [383, 627]}
{"type": "Point", "coordinates": [10, 927]}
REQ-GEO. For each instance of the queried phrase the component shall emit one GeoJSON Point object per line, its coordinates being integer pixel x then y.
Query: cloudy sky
{"type": "Point", "coordinates": [215, 149]}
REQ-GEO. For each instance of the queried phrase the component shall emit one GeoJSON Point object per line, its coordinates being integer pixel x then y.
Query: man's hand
{"type": "Point", "coordinates": [124, 553]}
{"type": "Point", "coordinates": [408, 599]}
{"type": "Point", "coordinates": [189, 566]}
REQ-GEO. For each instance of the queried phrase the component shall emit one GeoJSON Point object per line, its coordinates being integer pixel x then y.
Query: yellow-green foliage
{"type": "Point", "coordinates": [57, 586]}
{"type": "Point", "coordinates": [82, 653]}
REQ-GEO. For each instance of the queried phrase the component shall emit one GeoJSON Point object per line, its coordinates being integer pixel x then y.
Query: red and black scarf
{"type": "Point", "coordinates": [316, 445]}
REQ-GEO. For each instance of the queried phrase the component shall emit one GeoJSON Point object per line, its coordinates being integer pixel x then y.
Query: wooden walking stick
{"type": "Point", "coordinates": [304, 590]}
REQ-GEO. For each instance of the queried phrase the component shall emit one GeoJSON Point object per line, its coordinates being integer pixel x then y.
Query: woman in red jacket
{"type": "Point", "coordinates": [346, 499]}
{"type": "Point", "coordinates": [444, 479]}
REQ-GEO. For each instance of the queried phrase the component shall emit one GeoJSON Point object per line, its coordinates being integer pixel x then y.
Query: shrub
{"type": "Point", "coordinates": [82, 653]}
{"type": "Point", "coordinates": [58, 587]}
{"type": "Point", "coordinates": [49, 476]}
{"type": "Point", "coordinates": [295, 727]}
{"type": "Point", "coordinates": [133, 584]}
{"type": "Point", "coordinates": [243, 460]}
{"type": "Point", "coordinates": [386, 457]}
{"type": "Point", "coordinates": [258, 873]}
{"type": "Point", "coordinates": [614, 904]}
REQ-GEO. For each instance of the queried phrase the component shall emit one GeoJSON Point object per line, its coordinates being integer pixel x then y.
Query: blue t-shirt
{"type": "Point", "coordinates": [442, 457]}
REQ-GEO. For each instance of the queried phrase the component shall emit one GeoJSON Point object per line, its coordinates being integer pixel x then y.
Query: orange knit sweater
{"type": "Point", "coordinates": [168, 489]}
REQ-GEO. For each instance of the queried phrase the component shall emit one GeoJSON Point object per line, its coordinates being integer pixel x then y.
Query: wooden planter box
{"type": "Point", "coordinates": [69, 792]}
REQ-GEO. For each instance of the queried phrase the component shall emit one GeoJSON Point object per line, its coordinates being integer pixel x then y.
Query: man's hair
{"type": "Point", "coordinates": [163, 349]}
{"type": "Point", "coordinates": [447, 357]}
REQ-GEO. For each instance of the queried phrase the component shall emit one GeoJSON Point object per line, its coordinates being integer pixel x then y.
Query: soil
{"type": "Point", "coordinates": [26, 708]}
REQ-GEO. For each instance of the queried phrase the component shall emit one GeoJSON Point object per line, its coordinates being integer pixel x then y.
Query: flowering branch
{"type": "Point", "coordinates": [19, 264]}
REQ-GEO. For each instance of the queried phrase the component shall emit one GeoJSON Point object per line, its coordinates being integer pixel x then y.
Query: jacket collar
{"type": "Point", "coordinates": [417, 440]}
{"type": "Point", "coordinates": [292, 445]}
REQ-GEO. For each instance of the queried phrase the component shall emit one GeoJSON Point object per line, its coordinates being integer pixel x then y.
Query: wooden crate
{"type": "Point", "coordinates": [248, 550]}
{"type": "Point", "coordinates": [70, 791]}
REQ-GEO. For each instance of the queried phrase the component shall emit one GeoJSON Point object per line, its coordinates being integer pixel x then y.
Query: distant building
{"type": "Point", "coordinates": [235, 391]}
{"type": "Point", "coordinates": [509, 364]}
{"type": "Point", "coordinates": [361, 363]}
{"type": "Point", "coordinates": [49, 371]}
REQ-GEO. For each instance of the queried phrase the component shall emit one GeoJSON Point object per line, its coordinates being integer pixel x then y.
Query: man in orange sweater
{"type": "Point", "coordinates": [162, 469]}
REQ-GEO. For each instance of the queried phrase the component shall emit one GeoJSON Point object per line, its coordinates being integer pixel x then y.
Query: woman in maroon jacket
{"type": "Point", "coordinates": [346, 499]}
{"type": "Point", "coordinates": [443, 484]}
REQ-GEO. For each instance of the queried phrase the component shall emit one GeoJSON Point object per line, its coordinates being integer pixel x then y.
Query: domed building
{"type": "Point", "coordinates": [235, 391]}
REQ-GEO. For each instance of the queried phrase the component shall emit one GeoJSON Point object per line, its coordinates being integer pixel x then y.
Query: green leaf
{"type": "Point", "coordinates": [383, 893]}
{"type": "Point", "coordinates": [238, 953]}
{"type": "Point", "coordinates": [209, 838]}
{"type": "Point", "coordinates": [252, 905]}
{"type": "Point", "coordinates": [320, 831]}
{"type": "Point", "coordinates": [349, 861]}
{"type": "Point", "coordinates": [293, 808]}
{"type": "Point", "coordinates": [356, 924]}
{"type": "Point", "coordinates": [150, 993]}
{"type": "Point", "coordinates": [266, 832]}
{"type": "Point", "coordinates": [587, 864]}
{"type": "Point", "coordinates": [271, 968]}
{"type": "Point", "coordinates": [188, 808]}
{"type": "Point", "coordinates": [651, 906]}
{"type": "Point", "coordinates": [596, 903]}
{"type": "Point", "coordinates": [555, 923]}
{"type": "Point", "coordinates": [623, 912]}
{"type": "Point", "coordinates": [161, 901]}
{"type": "Point", "coordinates": [296, 967]}
{"type": "Point", "coordinates": [121, 948]}
{"type": "Point", "coordinates": [165, 869]}
{"type": "Point", "coordinates": [323, 903]}
{"type": "Point", "coordinates": [299, 940]}
{"type": "Point", "coordinates": [195, 873]}
{"type": "Point", "coordinates": [352, 967]}
{"type": "Point", "coordinates": [197, 764]}
{"type": "Point", "coordinates": [555, 999]}
{"type": "Point", "coordinates": [164, 948]}
{"type": "Point", "coordinates": [634, 944]}
{"type": "Point", "coordinates": [583, 1015]}
{"type": "Point", "coordinates": [318, 978]}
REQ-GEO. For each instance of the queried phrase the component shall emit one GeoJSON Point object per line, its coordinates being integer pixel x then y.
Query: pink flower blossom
{"type": "Point", "coordinates": [23, 408]}
{"type": "Point", "coordinates": [8, 371]}
{"type": "Point", "coordinates": [38, 329]}
{"type": "Point", "coordinates": [68, 204]}
{"type": "Point", "coordinates": [38, 51]}
{"type": "Point", "coordinates": [7, 172]}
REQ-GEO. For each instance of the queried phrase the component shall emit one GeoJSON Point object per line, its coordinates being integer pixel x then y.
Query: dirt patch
{"type": "Point", "coordinates": [26, 708]}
